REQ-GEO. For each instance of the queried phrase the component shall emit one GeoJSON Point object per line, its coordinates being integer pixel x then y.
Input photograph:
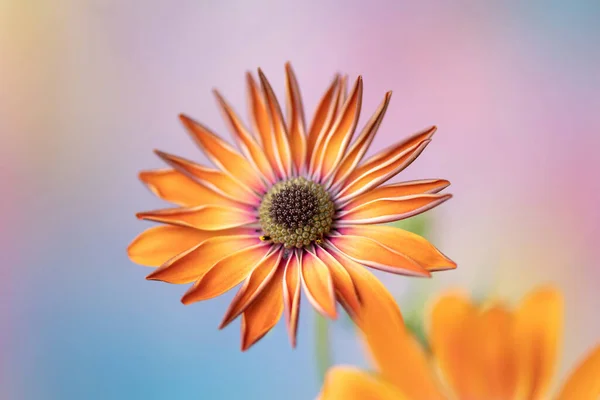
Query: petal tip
{"type": "Point", "coordinates": [228, 318]}
{"type": "Point", "coordinates": [156, 275]}
{"type": "Point", "coordinates": [547, 291]}
{"type": "Point", "coordinates": [152, 277]}
{"type": "Point", "coordinates": [223, 324]}
{"type": "Point", "coordinates": [185, 299]}
{"type": "Point", "coordinates": [132, 252]}
{"type": "Point", "coordinates": [445, 197]}
{"type": "Point", "coordinates": [249, 78]}
{"type": "Point", "coordinates": [143, 176]}
{"type": "Point", "coordinates": [451, 264]}
{"type": "Point", "coordinates": [444, 183]}
{"type": "Point", "coordinates": [331, 313]}
{"type": "Point", "coordinates": [246, 344]}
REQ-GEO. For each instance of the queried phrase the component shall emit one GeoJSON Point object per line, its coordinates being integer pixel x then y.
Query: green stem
{"type": "Point", "coordinates": [322, 349]}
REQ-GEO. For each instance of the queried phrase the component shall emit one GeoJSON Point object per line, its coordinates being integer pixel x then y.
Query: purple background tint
{"type": "Point", "coordinates": [89, 88]}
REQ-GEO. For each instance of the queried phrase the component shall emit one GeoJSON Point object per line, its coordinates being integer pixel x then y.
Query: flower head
{"type": "Point", "coordinates": [481, 352]}
{"type": "Point", "coordinates": [290, 207]}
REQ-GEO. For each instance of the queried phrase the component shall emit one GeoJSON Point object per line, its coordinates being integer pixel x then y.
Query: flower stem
{"type": "Point", "coordinates": [322, 348]}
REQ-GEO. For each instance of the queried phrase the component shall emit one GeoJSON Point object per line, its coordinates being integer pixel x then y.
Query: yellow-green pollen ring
{"type": "Point", "coordinates": [296, 212]}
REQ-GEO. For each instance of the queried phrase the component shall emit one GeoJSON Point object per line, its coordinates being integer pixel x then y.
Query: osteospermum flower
{"type": "Point", "coordinates": [481, 352]}
{"type": "Point", "coordinates": [292, 207]}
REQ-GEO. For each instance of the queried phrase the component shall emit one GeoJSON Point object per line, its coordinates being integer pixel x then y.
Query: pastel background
{"type": "Point", "coordinates": [88, 88]}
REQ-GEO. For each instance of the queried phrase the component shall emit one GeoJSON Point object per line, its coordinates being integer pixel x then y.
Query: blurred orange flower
{"type": "Point", "coordinates": [293, 207]}
{"type": "Point", "coordinates": [477, 352]}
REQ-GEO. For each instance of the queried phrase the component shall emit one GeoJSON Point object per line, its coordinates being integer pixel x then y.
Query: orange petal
{"type": "Point", "coordinates": [342, 282]}
{"type": "Point", "coordinates": [479, 360]}
{"type": "Point", "coordinates": [291, 295]}
{"type": "Point", "coordinates": [314, 167]}
{"type": "Point", "coordinates": [156, 245]}
{"type": "Point", "coordinates": [346, 383]}
{"type": "Point", "coordinates": [370, 252]}
{"type": "Point", "coordinates": [413, 374]}
{"type": "Point", "coordinates": [494, 357]}
{"type": "Point", "coordinates": [226, 273]}
{"type": "Point", "coordinates": [212, 179]}
{"type": "Point", "coordinates": [209, 218]}
{"type": "Point", "coordinates": [173, 186]}
{"type": "Point", "coordinates": [396, 354]}
{"type": "Point", "coordinates": [252, 287]}
{"type": "Point", "coordinates": [451, 337]}
{"type": "Point", "coordinates": [361, 144]}
{"type": "Point", "coordinates": [411, 141]}
{"type": "Point", "coordinates": [224, 156]}
{"type": "Point", "coordinates": [341, 132]}
{"type": "Point", "coordinates": [584, 382]}
{"type": "Point", "coordinates": [391, 209]}
{"type": "Point", "coordinates": [318, 284]}
{"type": "Point", "coordinates": [279, 129]}
{"type": "Point", "coordinates": [425, 186]}
{"type": "Point", "coordinates": [250, 148]}
{"type": "Point", "coordinates": [324, 115]}
{"type": "Point", "coordinates": [378, 307]}
{"type": "Point", "coordinates": [295, 113]}
{"type": "Point", "coordinates": [193, 263]}
{"type": "Point", "coordinates": [343, 95]}
{"type": "Point", "coordinates": [343, 91]}
{"type": "Point", "coordinates": [538, 332]}
{"type": "Point", "coordinates": [404, 242]}
{"type": "Point", "coordinates": [264, 312]}
{"type": "Point", "coordinates": [384, 165]}
{"type": "Point", "coordinates": [261, 123]}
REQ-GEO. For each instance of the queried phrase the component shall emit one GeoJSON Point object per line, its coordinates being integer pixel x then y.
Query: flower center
{"type": "Point", "coordinates": [296, 212]}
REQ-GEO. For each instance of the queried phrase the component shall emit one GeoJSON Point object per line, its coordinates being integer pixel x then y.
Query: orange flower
{"type": "Point", "coordinates": [488, 352]}
{"type": "Point", "coordinates": [293, 207]}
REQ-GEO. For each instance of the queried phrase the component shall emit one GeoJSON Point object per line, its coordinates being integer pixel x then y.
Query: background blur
{"type": "Point", "coordinates": [89, 87]}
